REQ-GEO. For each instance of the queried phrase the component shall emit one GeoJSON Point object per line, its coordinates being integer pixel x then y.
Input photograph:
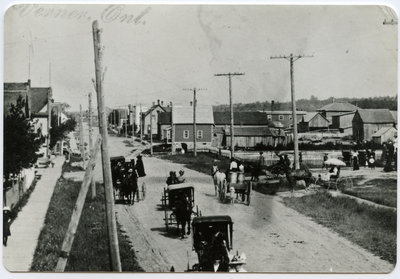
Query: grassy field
{"type": "Point", "coordinates": [381, 191]}
{"type": "Point", "coordinates": [371, 228]}
{"type": "Point", "coordinates": [90, 248]}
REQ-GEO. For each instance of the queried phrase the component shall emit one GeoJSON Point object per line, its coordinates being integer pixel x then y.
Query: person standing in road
{"type": "Point", "coordinates": [140, 166]}
{"type": "Point", "coordinates": [6, 224]}
{"type": "Point", "coordinates": [355, 160]}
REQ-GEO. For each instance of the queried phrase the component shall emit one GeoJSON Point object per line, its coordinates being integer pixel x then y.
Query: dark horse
{"type": "Point", "coordinates": [292, 175]}
{"type": "Point", "coordinates": [183, 214]}
{"type": "Point", "coordinates": [295, 175]}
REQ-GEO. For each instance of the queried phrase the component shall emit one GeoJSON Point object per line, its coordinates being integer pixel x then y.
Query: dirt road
{"type": "Point", "coordinates": [273, 237]}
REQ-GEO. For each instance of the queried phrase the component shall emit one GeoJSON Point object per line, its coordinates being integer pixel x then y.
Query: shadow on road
{"type": "Point", "coordinates": [171, 233]}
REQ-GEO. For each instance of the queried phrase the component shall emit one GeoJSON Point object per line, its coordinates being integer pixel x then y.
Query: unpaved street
{"type": "Point", "coordinates": [273, 237]}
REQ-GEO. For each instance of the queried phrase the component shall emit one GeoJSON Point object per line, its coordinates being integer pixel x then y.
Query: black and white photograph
{"type": "Point", "coordinates": [202, 137]}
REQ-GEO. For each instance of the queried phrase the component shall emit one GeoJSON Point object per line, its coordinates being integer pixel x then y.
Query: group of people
{"type": "Point", "coordinates": [389, 155]}
{"type": "Point", "coordinates": [366, 159]}
{"type": "Point", "coordinates": [214, 254]}
{"type": "Point", "coordinates": [125, 177]}
{"type": "Point", "coordinates": [174, 179]}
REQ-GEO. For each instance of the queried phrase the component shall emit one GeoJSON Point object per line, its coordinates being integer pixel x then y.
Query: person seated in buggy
{"type": "Point", "coordinates": [216, 255]}
{"type": "Point", "coordinates": [172, 179]}
{"type": "Point", "coordinates": [332, 174]}
{"type": "Point", "coordinates": [180, 178]}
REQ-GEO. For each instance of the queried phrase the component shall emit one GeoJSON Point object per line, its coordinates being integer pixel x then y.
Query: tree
{"type": "Point", "coordinates": [59, 131]}
{"type": "Point", "coordinates": [21, 144]}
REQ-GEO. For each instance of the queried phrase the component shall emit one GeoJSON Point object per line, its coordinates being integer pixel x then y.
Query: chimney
{"type": "Point", "coordinates": [162, 103]}
{"type": "Point", "coordinates": [158, 102]}
{"type": "Point", "coordinates": [272, 105]}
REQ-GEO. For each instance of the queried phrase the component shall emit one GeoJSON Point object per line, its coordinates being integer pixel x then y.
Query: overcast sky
{"type": "Point", "coordinates": [167, 48]}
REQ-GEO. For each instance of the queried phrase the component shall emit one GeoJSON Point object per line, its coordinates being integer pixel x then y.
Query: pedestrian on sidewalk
{"type": "Point", "coordinates": [140, 166]}
{"type": "Point", "coordinates": [6, 224]}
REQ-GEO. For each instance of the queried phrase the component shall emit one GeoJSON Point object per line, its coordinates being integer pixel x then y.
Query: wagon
{"type": "Point", "coordinates": [241, 189]}
{"type": "Point", "coordinates": [171, 196]}
{"type": "Point", "coordinates": [208, 231]}
{"type": "Point", "coordinates": [117, 177]}
{"type": "Point", "coordinates": [337, 182]}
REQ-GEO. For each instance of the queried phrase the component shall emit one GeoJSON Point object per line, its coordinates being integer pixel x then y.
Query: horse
{"type": "Point", "coordinates": [183, 214]}
{"type": "Point", "coordinates": [219, 180]}
{"type": "Point", "coordinates": [297, 175]}
{"type": "Point", "coordinates": [130, 187]}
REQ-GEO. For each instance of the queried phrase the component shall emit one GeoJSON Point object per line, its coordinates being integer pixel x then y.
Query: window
{"type": "Point", "coordinates": [199, 134]}
{"type": "Point", "coordinates": [269, 116]}
{"type": "Point", "coordinates": [280, 117]}
{"type": "Point", "coordinates": [185, 134]}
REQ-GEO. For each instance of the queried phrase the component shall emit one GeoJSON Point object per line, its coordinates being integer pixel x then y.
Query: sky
{"type": "Point", "coordinates": [164, 49]}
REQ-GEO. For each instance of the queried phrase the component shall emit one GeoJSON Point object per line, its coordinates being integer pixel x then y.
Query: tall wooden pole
{"type": "Point", "coordinates": [194, 124]}
{"type": "Point", "coordinates": [141, 124]}
{"type": "Point", "coordinates": [49, 97]}
{"type": "Point", "coordinates": [172, 130]}
{"type": "Point", "coordinates": [292, 58]}
{"type": "Point", "coordinates": [151, 132]}
{"type": "Point", "coordinates": [110, 212]}
{"type": "Point", "coordinates": [81, 140]}
{"type": "Point", "coordinates": [229, 75]}
{"type": "Point", "coordinates": [92, 182]}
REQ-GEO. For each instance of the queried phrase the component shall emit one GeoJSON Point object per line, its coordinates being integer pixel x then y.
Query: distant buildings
{"type": "Point", "coordinates": [366, 122]}
{"type": "Point", "coordinates": [336, 108]}
{"type": "Point", "coordinates": [284, 117]}
{"type": "Point", "coordinates": [313, 121]}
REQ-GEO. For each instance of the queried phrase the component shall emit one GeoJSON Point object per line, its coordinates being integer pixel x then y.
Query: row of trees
{"type": "Point", "coordinates": [22, 143]}
{"type": "Point", "coordinates": [314, 103]}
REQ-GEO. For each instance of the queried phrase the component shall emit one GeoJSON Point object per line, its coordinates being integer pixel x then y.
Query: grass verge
{"type": "Point", "coordinates": [202, 162]}
{"type": "Point", "coordinates": [380, 191]}
{"type": "Point", "coordinates": [90, 248]}
{"type": "Point", "coordinates": [372, 228]}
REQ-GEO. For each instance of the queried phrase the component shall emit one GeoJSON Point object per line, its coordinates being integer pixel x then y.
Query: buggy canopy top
{"type": "Point", "coordinates": [179, 186]}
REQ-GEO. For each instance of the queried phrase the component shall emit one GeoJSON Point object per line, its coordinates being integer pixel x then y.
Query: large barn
{"type": "Point", "coordinates": [366, 122]}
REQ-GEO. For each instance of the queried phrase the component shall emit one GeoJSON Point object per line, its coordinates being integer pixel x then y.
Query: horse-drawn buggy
{"type": "Point", "coordinates": [125, 181]}
{"type": "Point", "coordinates": [178, 203]}
{"type": "Point", "coordinates": [332, 179]}
{"type": "Point", "coordinates": [213, 243]}
{"type": "Point", "coordinates": [236, 188]}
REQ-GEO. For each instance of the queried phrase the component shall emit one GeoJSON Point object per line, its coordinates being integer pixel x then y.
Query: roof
{"type": "Point", "coordinates": [345, 107]}
{"type": "Point", "coordinates": [241, 118]}
{"type": "Point", "coordinates": [39, 98]}
{"type": "Point", "coordinates": [343, 114]}
{"type": "Point", "coordinates": [164, 118]}
{"type": "Point", "coordinates": [153, 107]}
{"type": "Point", "coordinates": [376, 116]}
{"type": "Point", "coordinates": [184, 115]}
{"type": "Point", "coordinates": [15, 86]}
{"type": "Point", "coordinates": [212, 219]}
{"type": "Point", "coordinates": [310, 115]}
{"type": "Point", "coordinates": [180, 186]}
{"type": "Point", "coordinates": [383, 131]}
{"type": "Point", "coordinates": [394, 114]}
{"type": "Point", "coordinates": [251, 131]}
{"type": "Point", "coordinates": [298, 112]}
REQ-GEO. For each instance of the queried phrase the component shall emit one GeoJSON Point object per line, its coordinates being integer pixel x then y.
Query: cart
{"type": "Point", "coordinates": [207, 230]}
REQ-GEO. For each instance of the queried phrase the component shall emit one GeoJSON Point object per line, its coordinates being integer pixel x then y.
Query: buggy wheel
{"type": "Point", "coordinates": [249, 193]}
{"type": "Point", "coordinates": [342, 184]}
{"type": "Point", "coordinates": [166, 220]}
{"type": "Point", "coordinates": [143, 191]}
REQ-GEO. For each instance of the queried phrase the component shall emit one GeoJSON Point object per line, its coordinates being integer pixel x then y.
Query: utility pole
{"type": "Point", "coordinates": [172, 130]}
{"type": "Point", "coordinates": [151, 133]}
{"type": "Point", "coordinates": [49, 97]}
{"type": "Point", "coordinates": [108, 188]}
{"type": "Point", "coordinates": [81, 140]}
{"type": "Point", "coordinates": [292, 58]}
{"type": "Point", "coordinates": [92, 182]}
{"type": "Point", "coordinates": [229, 75]}
{"type": "Point", "coordinates": [141, 123]}
{"type": "Point", "coordinates": [194, 118]}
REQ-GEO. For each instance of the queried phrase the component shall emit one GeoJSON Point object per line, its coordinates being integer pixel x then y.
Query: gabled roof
{"type": "Point", "coordinates": [184, 115]}
{"type": "Point", "coordinates": [154, 107]}
{"type": "Point", "coordinates": [164, 118]}
{"type": "Point", "coordinates": [383, 131]}
{"type": "Point", "coordinates": [39, 98]}
{"type": "Point", "coordinates": [241, 118]}
{"type": "Point", "coordinates": [345, 107]}
{"type": "Point", "coordinates": [310, 115]}
{"type": "Point", "coordinates": [376, 116]}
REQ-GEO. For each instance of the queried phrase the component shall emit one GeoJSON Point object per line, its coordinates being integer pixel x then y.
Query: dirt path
{"type": "Point", "coordinates": [275, 238]}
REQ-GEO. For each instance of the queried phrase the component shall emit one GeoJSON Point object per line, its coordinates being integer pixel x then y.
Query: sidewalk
{"type": "Point", "coordinates": [25, 230]}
